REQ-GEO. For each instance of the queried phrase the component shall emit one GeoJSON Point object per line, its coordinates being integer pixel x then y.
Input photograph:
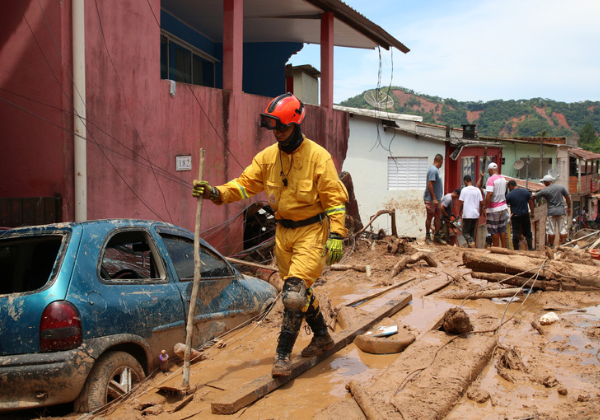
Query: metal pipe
{"type": "Point", "coordinates": [527, 174]}
{"type": "Point", "coordinates": [79, 112]}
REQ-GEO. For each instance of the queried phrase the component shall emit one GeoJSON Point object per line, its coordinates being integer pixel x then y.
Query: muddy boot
{"type": "Point", "coordinates": [321, 340]}
{"type": "Point", "coordinates": [437, 238]}
{"type": "Point", "coordinates": [530, 244]}
{"type": "Point", "coordinates": [292, 321]}
{"type": "Point", "coordinates": [283, 361]}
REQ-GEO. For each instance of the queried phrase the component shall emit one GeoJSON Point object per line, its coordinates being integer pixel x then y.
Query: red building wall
{"type": "Point", "coordinates": [135, 127]}
{"type": "Point", "coordinates": [34, 90]}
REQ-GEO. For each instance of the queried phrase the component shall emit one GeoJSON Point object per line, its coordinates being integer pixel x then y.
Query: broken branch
{"type": "Point", "coordinates": [412, 259]}
{"type": "Point", "coordinates": [379, 213]}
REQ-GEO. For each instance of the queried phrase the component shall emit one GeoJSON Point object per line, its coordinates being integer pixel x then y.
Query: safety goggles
{"type": "Point", "coordinates": [271, 122]}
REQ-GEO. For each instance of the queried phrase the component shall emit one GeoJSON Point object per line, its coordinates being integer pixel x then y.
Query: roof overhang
{"type": "Point", "coordinates": [584, 154]}
{"type": "Point", "coordinates": [285, 21]}
{"type": "Point", "coordinates": [523, 141]}
{"type": "Point", "coordinates": [378, 114]}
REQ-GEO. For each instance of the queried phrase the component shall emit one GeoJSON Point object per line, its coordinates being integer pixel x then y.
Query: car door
{"type": "Point", "coordinates": [223, 300]}
{"type": "Point", "coordinates": [128, 289]}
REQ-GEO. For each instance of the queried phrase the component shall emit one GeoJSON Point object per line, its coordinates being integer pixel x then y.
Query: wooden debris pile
{"type": "Point", "coordinates": [534, 271]}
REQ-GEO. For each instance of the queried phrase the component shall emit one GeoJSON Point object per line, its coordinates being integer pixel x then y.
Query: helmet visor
{"type": "Point", "coordinates": [272, 122]}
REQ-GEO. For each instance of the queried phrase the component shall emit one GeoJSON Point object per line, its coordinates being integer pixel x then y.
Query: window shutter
{"type": "Point", "coordinates": [405, 173]}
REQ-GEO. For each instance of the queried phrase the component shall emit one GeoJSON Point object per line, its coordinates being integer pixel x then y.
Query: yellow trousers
{"type": "Point", "coordinates": [299, 251]}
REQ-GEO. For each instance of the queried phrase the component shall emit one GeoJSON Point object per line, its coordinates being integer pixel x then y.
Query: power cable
{"type": "Point", "coordinates": [136, 131]}
{"type": "Point", "coordinates": [71, 102]}
{"type": "Point", "coordinates": [162, 172]}
{"type": "Point", "coordinates": [200, 104]}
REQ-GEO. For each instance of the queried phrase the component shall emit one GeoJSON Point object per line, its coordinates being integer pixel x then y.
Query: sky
{"type": "Point", "coordinates": [476, 50]}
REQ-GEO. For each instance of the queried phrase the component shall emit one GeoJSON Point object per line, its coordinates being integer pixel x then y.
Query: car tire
{"type": "Point", "coordinates": [114, 374]}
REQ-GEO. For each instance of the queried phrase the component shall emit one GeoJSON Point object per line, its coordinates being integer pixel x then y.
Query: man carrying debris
{"type": "Point", "coordinates": [471, 203]}
{"type": "Point", "coordinates": [556, 220]}
{"type": "Point", "coordinates": [519, 199]}
{"type": "Point", "coordinates": [432, 197]}
{"type": "Point", "coordinates": [495, 206]}
{"type": "Point", "coordinates": [304, 190]}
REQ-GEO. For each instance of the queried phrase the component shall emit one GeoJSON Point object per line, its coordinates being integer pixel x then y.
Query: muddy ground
{"type": "Point", "coordinates": [559, 376]}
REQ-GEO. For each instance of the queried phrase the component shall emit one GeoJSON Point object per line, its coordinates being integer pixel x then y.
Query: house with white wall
{"type": "Point", "coordinates": [388, 168]}
{"type": "Point", "coordinates": [388, 157]}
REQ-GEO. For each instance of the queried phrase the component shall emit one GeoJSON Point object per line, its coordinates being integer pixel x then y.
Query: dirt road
{"type": "Point", "coordinates": [559, 376]}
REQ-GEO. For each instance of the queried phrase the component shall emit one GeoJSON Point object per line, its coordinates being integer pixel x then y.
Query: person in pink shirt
{"type": "Point", "coordinates": [495, 206]}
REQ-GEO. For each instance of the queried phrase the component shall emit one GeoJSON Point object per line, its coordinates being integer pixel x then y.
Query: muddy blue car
{"type": "Point", "coordinates": [86, 308]}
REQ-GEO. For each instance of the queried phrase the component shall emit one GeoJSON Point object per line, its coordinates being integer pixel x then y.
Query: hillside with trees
{"type": "Point", "coordinates": [498, 118]}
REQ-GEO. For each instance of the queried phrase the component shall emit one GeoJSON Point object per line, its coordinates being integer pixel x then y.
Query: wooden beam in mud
{"type": "Point", "coordinates": [250, 392]}
{"type": "Point", "coordinates": [580, 276]}
{"type": "Point", "coordinates": [446, 378]}
{"type": "Point", "coordinates": [483, 294]}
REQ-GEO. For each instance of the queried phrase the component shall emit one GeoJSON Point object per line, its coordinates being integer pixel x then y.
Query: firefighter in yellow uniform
{"type": "Point", "coordinates": [303, 188]}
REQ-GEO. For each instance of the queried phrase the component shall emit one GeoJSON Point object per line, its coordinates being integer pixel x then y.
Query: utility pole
{"type": "Point", "coordinates": [541, 158]}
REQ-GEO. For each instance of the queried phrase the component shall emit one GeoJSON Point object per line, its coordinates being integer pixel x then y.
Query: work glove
{"type": "Point", "coordinates": [334, 248]}
{"type": "Point", "coordinates": [204, 190]}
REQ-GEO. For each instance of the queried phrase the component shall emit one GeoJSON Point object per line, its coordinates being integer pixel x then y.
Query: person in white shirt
{"type": "Point", "coordinates": [471, 202]}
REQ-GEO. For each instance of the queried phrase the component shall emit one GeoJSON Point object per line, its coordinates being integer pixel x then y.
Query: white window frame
{"type": "Point", "coordinates": [407, 173]}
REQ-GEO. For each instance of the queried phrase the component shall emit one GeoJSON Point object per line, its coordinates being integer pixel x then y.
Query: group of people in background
{"type": "Point", "coordinates": [493, 201]}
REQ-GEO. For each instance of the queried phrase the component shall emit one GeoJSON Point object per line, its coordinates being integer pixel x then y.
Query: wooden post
{"type": "Point", "coordinates": [189, 330]}
{"type": "Point", "coordinates": [393, 216]}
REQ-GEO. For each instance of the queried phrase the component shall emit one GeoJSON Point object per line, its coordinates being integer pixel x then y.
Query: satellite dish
{"type": "Point", "coordinates": [518, 164]}
{"type": "Point", "coordinates": [553, 173]}
{"type": "Point", "coordinates": [378, 99]}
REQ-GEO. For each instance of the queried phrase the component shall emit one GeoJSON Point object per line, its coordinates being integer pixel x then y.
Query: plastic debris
{"type": "Point", "coordinates": [164, 361]}
{"type": "Point", "coordinates": [549, 318]}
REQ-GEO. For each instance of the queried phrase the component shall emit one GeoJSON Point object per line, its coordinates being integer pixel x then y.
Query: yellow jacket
{"type": "Point", "coordinates": [313, 185]}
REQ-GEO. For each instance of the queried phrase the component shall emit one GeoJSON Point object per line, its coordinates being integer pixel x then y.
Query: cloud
{"type": "Point", "coordinates": [478, 50]}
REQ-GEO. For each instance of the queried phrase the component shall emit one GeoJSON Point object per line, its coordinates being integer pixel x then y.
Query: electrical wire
{"type": "Point", "coordinates": [135, 129]}
{"type": "Point", "coordinates": [162, 172]}
{"type": "Point", "coordinates": [200, 104]}
{"type": "Point", "coordinates": [71, 102]}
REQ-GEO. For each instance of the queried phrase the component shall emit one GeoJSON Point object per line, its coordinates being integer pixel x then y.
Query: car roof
{"type": "Point", "coordinates": [70, 226]}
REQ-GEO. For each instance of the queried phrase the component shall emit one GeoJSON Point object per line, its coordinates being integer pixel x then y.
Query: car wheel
{"type": "Point", "coordinates": [114, 374]}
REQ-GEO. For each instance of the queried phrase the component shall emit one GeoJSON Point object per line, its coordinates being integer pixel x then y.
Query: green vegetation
{"type": "Point", "coordinates": [588, 139]}
{"type": "Point", "coordinates": [517, 118]}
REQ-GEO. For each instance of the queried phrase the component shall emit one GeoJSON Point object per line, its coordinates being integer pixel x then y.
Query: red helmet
{"type": "Point", "coordinates": [282, 112]}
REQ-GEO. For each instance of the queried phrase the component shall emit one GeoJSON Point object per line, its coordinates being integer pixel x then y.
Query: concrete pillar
{"type": "Point", "coordinates": [327, 60]}
{"type": "Point", "coordinates": [233, 44]}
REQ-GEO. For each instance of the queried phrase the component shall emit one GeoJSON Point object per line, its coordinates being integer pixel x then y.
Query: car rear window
{"type": "Point", "coordinates": [27, 263]}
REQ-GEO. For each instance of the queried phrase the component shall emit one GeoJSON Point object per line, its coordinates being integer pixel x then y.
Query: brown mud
{"type": "Point", "coordinates": [560, 379]}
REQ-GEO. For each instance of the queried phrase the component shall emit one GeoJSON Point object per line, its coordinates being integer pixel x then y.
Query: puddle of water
{"type": "Point", "coordinates": [421, 313]}
{"type": "Point", "coordinates": [590, 316]}
{"type": "Point", "coordinates": [577, 344]}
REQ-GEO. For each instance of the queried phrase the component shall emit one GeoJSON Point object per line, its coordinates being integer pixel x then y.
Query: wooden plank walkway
{"type": "Point", "coordinates": [251, 392]}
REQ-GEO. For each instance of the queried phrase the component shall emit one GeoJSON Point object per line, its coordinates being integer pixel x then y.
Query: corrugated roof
{"type": "Point", "coordinates": [548, 141]}
{"type": "Point", "coordinates": [584, 154]}
{"type": "Point", "coordinates": [531, 186]}
{"type": "Point", "coordinates": [374, 113]}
